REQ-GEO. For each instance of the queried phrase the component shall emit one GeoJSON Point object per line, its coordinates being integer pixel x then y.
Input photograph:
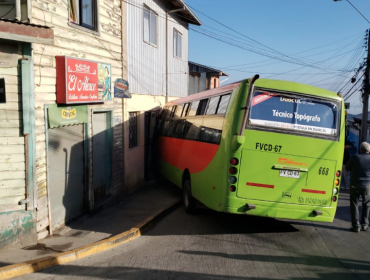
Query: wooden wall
{"type": "Point", "coordinates": [12, 149]}
{"type": "Point", "coordinates": [70, 41]}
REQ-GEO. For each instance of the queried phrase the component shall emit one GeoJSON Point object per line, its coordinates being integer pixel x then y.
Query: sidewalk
{"type": "Point", "coordinates": [112, 220]}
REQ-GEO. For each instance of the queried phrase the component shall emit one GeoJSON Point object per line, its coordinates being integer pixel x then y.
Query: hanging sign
{"type": "Point", "coordinates": [2, 91]}
{"type": "Point", "coordinates": [82, 81]}
{"type": "Point", "coordinates": [66, 115]}
{"type": "Point", "coordinates": [121, 89]}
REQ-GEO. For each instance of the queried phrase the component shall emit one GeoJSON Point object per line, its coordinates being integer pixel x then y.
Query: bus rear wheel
{"type": "Point", "coordinates": [189, 201]}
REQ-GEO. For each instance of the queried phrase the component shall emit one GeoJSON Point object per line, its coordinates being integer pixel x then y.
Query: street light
{"type": "Point", "coordinates": [355, 9]}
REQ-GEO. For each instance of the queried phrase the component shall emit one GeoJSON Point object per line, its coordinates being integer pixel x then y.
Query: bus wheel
{"type": "Point", "coordinates": [189, 201]}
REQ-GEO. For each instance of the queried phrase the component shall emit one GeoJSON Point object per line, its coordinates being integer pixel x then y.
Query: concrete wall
{"type": "Point", "coordinates": [104, 46]}
{"type": "Point", "coordinates": [134, 157]}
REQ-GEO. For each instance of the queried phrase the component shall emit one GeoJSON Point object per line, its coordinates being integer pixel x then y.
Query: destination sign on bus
{"type": "Point", "coordinates": [303, 114]}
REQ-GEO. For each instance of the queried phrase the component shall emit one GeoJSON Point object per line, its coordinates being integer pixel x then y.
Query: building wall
{"type": "Point", "coordinates": [12, 148]}
{"type": "Point", "coordinates": [134, 157]}
{"type": "Point", "coordinates": [70, 41]}
{"type": "Point", "coordinates": [16, 224]}
{"type": "Point", "coordinates": [147, 63]}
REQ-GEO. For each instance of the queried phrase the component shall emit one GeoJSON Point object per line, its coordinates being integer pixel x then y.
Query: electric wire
{"type": "Point", "coordinates": [8, 12]}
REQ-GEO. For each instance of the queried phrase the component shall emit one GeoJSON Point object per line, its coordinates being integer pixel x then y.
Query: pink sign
{"type": "Point", "coordinates": [78, 81]}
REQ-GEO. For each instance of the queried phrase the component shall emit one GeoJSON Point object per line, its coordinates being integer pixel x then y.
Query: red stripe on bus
{"type": "Point", "coordinates": [313, 191]}
{"type": "Point", "coordinates": [260, 185]}
{"type": "Point", "coordinates": [182, 154]}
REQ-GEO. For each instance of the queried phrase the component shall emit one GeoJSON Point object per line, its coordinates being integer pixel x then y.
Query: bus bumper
{"type": "Point", "coordinates": [284, 211]}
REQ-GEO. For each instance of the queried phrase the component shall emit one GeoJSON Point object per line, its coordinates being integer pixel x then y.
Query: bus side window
{"type": "Point", "coordinates": [173, 111]}
{"type": "Point", "coordinates": [193, 108]}
{"type": "Point", "coordinates": [222, 107]}
{"type": "Point", "coordinates": [212, 105]}
{"type": "Point", "coordinates": [178, 111]}
{"type": "Point", "coordinates": [178, 131]}
{"type": "Point", "coordinates": [202, 107]}
{"type": "Point", "coordinates": [165, 127]}
{"type": "Point", "coordinates": [186, 108]}
{"type": "Point", "coordinates": [166, 112]}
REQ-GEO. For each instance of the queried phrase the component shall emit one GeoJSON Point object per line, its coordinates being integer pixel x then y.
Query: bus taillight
{"type": "Point", "coordinates": [336, 190]}
{"type": "Point", "coordinates": [338, 173]}
{"type": "Point", "coordinates": [334, 198]}
{"type": "Point", "coordinates": [233, 170]}
{"type": "Point", "coordinates": [234, 161]}
{"type": "Point", "coordinates": [336, 182]}
{"type": "Point", "coordinates": [232, 188]}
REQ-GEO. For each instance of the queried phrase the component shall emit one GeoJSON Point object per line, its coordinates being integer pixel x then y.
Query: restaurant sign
{"type": "Point", "coordinates": [82, 81]}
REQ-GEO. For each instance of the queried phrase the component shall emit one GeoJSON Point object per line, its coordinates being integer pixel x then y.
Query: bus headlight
{"type": "Point", "coordinates": [232, 180]}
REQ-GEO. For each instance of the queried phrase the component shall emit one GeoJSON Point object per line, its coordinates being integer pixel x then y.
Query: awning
{"type": "Point", "coordinates": [66, 115]}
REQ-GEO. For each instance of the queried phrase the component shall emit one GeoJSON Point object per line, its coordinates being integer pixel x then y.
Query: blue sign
{"type": "Point", "coordinates": [121, 89]}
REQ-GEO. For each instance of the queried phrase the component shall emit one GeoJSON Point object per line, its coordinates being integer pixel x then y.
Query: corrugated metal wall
{"type": "Point", "coordinates": [12, 151]}
{"type": "Point", "coordinates": [147, 63]}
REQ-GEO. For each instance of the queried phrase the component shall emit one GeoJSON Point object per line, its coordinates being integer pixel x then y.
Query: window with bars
{"type": "Point", "coordinates": [132, 130]}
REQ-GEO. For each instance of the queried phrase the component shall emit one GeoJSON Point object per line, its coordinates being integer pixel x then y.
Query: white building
{"type": "Point", "coordinates": [157, 64]}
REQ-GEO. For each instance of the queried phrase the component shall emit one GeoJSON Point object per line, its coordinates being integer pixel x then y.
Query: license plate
{"type": "Point", "coordinates": [289, 174]}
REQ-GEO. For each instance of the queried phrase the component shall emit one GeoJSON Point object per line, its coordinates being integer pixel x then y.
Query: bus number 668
{"type": "Point", "coordinates": [323, 171]}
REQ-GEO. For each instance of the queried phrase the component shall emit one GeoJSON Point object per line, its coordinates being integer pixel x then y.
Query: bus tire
{"type": "Point", "coordinates": [189, 201]}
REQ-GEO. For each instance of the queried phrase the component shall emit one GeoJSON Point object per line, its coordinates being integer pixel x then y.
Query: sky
{"type": "Point", "coordinates": [317, 42]}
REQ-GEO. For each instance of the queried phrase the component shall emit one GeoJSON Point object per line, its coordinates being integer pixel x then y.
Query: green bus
{"type": "Point", "coordinates": [257, 147]}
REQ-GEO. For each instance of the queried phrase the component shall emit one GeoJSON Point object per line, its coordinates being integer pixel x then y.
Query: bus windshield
{"type": "Point", "coordinates": [287, 112]}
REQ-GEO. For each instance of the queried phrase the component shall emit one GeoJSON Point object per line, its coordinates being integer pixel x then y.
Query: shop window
{"type": "Point", "coordinates": [132, 130]}
{"type": "Point", "coordinates": [177, 41]}
{"type": "Point", "coordinates": [83, 13]}
{"type": "Point", "coordinates": [150, 26]}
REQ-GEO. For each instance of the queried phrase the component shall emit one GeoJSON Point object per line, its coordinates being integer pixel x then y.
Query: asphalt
{"type": "Point", "coordinates": [118, 216]}
{"type": "Point", "coordinates": [212, 245]}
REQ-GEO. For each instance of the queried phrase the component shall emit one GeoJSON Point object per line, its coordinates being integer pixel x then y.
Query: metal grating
{"type": "Point", "coordinates": [66, 173]}
{"type": "Point", "coordinates": [132, 130]}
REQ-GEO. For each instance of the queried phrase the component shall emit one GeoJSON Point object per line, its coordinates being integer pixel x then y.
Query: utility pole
{"type": "Point", "coordinates": [366, 92]}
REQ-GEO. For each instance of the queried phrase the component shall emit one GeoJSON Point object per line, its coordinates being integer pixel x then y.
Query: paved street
{"type": "Point", "coordinates": [213, 245]}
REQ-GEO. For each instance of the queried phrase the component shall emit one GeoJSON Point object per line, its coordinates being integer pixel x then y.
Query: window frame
{"type": "Point", "coordinates": [175, 31]}
{"type": "Point", "coordinates": [151, 11]}
{"type": "Point", "coordinates": [82, 26]}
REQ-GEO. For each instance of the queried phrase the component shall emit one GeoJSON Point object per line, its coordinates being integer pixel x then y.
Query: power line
{"type": "Point", "coordinates": [358, 11]}
{"type": "Point", "coordinates": [8, 12]}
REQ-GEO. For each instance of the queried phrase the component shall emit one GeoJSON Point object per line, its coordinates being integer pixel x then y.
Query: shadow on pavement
{"type": "Point", "coordinates": [306, 260]}
{"type": "Point", "coordinates": [117, 272]}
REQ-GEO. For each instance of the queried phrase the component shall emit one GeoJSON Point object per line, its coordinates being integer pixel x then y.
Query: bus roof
{"type": "Point", "coordinates": [264, 83]}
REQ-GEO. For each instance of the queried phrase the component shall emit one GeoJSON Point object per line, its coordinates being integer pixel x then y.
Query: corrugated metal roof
{"type": "Point", "coordinates": [25, 23]}
{"type": "Point", "coordinates": [187, 15]}
{"type": "Point", "coordinates": [26, 32]}
{"type": "Point", "coordinates": [199, 68]}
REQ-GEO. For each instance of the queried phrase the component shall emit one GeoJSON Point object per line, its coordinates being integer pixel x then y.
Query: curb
{"type": "Point", "coordinates": [32, 266]}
